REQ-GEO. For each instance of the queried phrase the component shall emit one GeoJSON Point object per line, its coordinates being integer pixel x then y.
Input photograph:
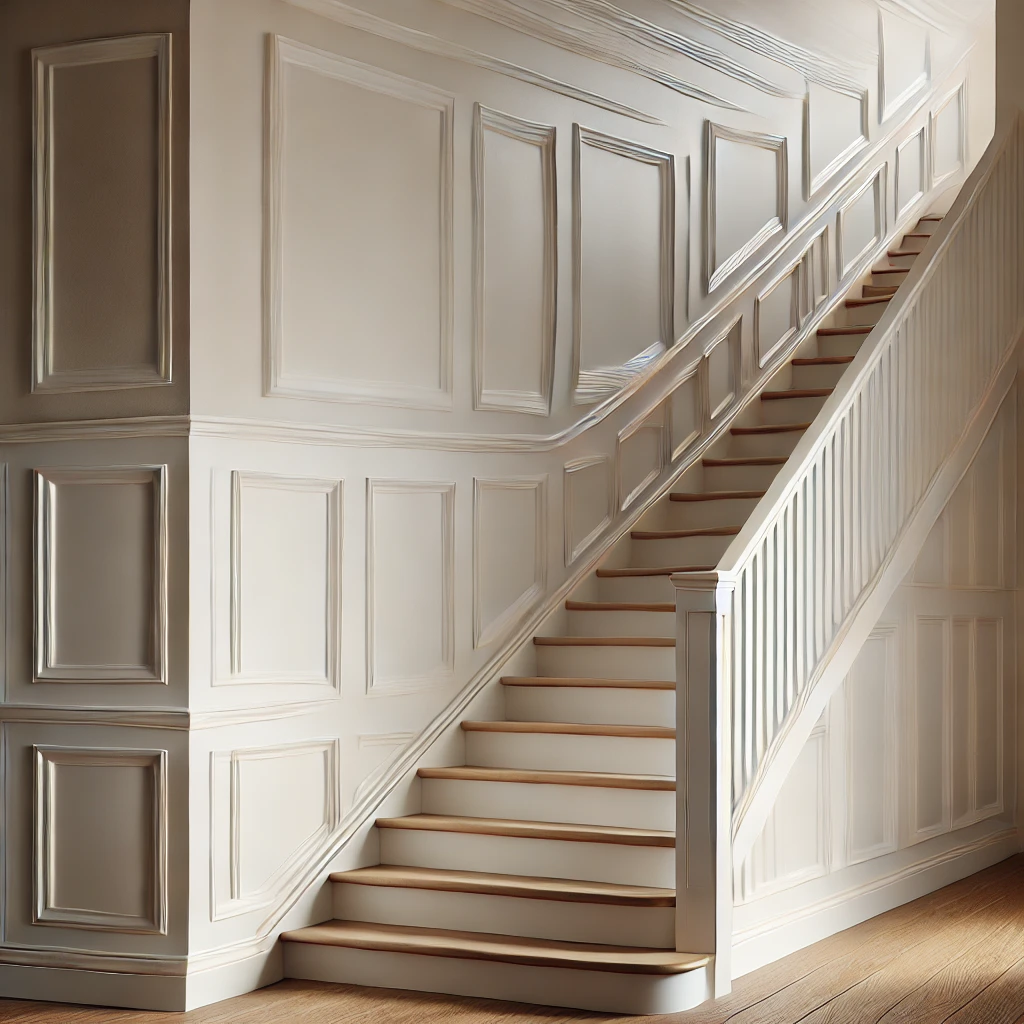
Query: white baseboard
{"type": "Point", "coordinates": [92, 988]}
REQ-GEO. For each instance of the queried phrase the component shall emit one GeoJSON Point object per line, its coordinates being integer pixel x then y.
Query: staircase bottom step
{"type": "Point", "coordinates": [583, 976]}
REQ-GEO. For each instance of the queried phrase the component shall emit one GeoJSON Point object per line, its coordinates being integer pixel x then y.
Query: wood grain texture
{"type": "Point", "coordinates": [585, 681]}
{"type": "Point", "coordinates": [707, 531]}
{"type": "Point", "coordinates": [647, 732]}
{"type": "Point", "coordinates": [601, 780]}
{"type": "Point", "coordinates": [605, 641]}
{"type": "Point", "coordinates": [618, 606]}
{"type": "Point", "coordinates": [753, 460]}
{"type": "Point", "coordinates": [665, 570]}
{"type": "Point", "coordinates": [769, 428]}
{"type": "Point", "coordinates": [714, 495]}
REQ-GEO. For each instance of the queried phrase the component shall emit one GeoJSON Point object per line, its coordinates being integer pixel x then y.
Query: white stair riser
{"type": "Point", "coordinates": [564, 921]}
{"type": "Point", "coordinates": [623, 755]}
{"type": "Point", "coordinates": [635, 588]}
{"type": "Point", "coordinates": [826, 376]}
{"type": "Point", "coordinates": [840, 344]}
{"type": "Point", "coordinates": [855, 316]}
{"type": "Point", "coordinates": [590, 705]}
{"type": "Point", "coordinates": [545, 858]}
{"type": "Point", "coordinates": [928, 227]}
{"type": "Point", "coordinates": [621, 623]}
{"type": "Point", "coordinates": [701, 550]}
{"type": "Point", "coordinates": [551, 986]}
{"type": "Point", "coordinates": [739, 478]}
{"type": "Point", "coordinates": [522, 801]}
{"type": "Point", "coordinates": [692, 515]}
{"type": "Point", "coordinates": [746, 445]}
{"type": "Point", "coordinates": [607, 662]}
{"type": "Point", "coordinates": [791, 410]}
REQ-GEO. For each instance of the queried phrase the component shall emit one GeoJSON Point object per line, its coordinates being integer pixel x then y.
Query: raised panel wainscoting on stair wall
{"type": "Point", "coordinates": [401, 412]}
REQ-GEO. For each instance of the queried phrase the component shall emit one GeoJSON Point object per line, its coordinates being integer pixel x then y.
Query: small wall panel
{"type": "Point", "coordinates": [777, 314]}
{"type": "Point", "coordinates": [930, 698]}
{"type": "Point", "coordinates": [904, 61]}
{"type": "Point", "coordinates": [358, 232]}
{"type": "Point", "coordinates": [515, 266]}
{"type": "Point", "coordinates": [101, 575]}
{"type": "Point", "coordinates": [861, 223]}
{"type": "Point", "coordinates": [623, 260]}
{"type": "Point", "coordinates": [949, 136]}
{"type": "Point", "coordinates": [961, 750]}
{"type": "Point", "coordinates": [988, 715]}
{"type": "Point", "coordinates": [102, 230]}
{"type": "Point", "coordinates": [374, 752]}
{"type": "Point", "coordinates": [911, 181]}
{"type": "Point", "coordinates": [410, 570]}
{"type": "Point", "coordinates": [686, 405]}
{"type": "Point", "coordinates": [510, 553]}
{"type": "Point", "coordinates": [587, 503]}
{"type": "Point", "coordinates": [640, 457]}
{"type": "Point", "coordinates": [835, 130]}
{"type": "Point", "coordinates": [100, 841]}
{"type": "Point", "coordinates": [285, 579]}
{"type": "Point", "coordinates": [723, 369]}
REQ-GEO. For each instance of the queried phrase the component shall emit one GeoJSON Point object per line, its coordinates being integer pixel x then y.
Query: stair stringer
{"type": "Point", "coordinates": [835, 666]}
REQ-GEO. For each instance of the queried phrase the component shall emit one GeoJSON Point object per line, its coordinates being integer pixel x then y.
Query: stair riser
{"type": "Point", "coordinates": [652, 927]}
{"type": "Point", "coordinates": [620, 623]}
{"type": "Point", "coordinates": [889, 279]}
{"type": "Point", "coordinates": [791, 410]}
{"type": "Point", "coordinates": [840, 344]}
{"type": "Point", "coordinates": [551, 986]}
{"type": "Point", "coordinates": [607, 662]}
{"type": "Point", "coordinates": [903, 262]}
{"type": "Point", "coordinates": [544, 858]}
{"type": "Point", "coordinates": [857, 315]}
{"type": "Point", "coordinates": [739, 478]}
{"type": "Point", "coordinates": [751, 445]}
{"type": "Point", "coordinates": [558, 752]}
{"type": "Point", "coordinates": [590, 705]}
{"type": "Point", "coordinates": [678, 551]}
{"type": "Point", "coordinates": [582, 805]}
{"type": "Point", "coordinates": [692, 515]}
{"type": "Point", "coordinates": [818, 376]}
{"type": "Point", "coordinates": [928, 227]}
{"type": "Point", "coordinates": [635, 588]}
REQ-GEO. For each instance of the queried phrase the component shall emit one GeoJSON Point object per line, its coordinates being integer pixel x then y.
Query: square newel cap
{"type": "Point", "coordinates": [704, 591]}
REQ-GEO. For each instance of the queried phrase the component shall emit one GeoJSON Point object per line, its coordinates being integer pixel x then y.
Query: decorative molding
{"type": "Point", "coordinates": [650, 423]}
{"type": "Point", "coordinates": [445, 670]}
{"type": "Point", "coordinates": [575, 546]}
{"type": "Point", "coordinates": [819, 283]}
{"type": "Point", "coordinates": [813, 183]}
{"type": "Point", "coordinates": [45, 908]}
{"type": "Point", "coordinates": [486, 633]}
{"type": "Point", "coordinates": [278, 380]}
{"type": "Point", "coordinates": [958, 96]}
{"type": "Point", "coordinates": [732, 339]}
{"type": "Point", "coordinates": [694, 377]}
{"type": "Point", "coordinates": [765, 352]}
{"type": "Point", "coordinates": [362, 20]}
{"type": "Point", "coordinates": [397, 740]}
{"type": "Point", "coordinates": [889, 105]}
{"type": "Point", "coordinates": [235, 900]}
{"type": "Point", "coordinates": [591, 385]}
{"type": "Point", "coordinates": [543, 137]}
{"type": "Point", "coordinates": [905, 203]}
{"type": "Point", "coordinates": [45, 376]}
{"type": "Point", "coordinates": [716, 272]}
{"type": "Point", "coordinates": [846, 262]}
{"type": "Point", "coordinates": [46, 669]}
{"type": "Point", "coordinates": [332, 491]}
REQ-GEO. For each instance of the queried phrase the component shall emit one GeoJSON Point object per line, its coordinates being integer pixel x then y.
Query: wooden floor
{"type": "Point", "coordinates": [956, 955]}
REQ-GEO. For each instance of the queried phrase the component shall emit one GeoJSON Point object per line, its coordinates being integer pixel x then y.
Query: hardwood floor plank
{"type": "Point", "coordinates": [998, 1003]}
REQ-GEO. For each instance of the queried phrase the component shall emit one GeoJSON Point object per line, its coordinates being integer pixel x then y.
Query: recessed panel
{"type": "Point", "coordinates": [929, 770]}
{"type": "Point", "coordinates": [948, 134]}
{"type": "Point", "coordinates": [102, 231]}
{"type": "Point", "coordinates": [514, 209]}
{"type": "Point", "coordinates": [861, 223]}
{"type": "Point", "coordinates": [962, 799]}
{"type": "Point", "coordinates": [587, 503]}
{"type": "Point", "coordinates": [777, 315]}
{"type": "Point", "coordinates": [835, 129]}
{"type": "Point", "coordinates": [987, 713]}
{"type": "Point", "coordinates": [685, 413]}
{"type": "Point", "coordinates": [510, 553]}
{"type": "Point", "coordinates": [358, 245]}
{"type": "Point", "coordinates": [800, 816]}
{"type": "Point", "coordinates": [723, 361]}
{"type": "Point", "coordinates": [640, 457]}
{"type": "Point", "coordinates": [904, 61]}
{"type": "Point", "coordinates": [911, 172]}
{"type": "Point", "coordinates": [410, 584]}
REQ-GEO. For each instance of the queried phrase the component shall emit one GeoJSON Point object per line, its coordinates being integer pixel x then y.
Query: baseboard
{"type": "Point", "coordinates": [235, 978]}
{"type": "Point", "coordinates": [93, 988]}
{"type": "Point", "coordinates": [815, 910]}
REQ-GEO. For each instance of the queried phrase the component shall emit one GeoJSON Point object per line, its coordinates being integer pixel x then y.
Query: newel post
{"type": "Point", "coordinates": [704, 870]}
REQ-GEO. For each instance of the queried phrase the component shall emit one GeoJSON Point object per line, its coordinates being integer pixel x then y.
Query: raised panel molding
{"type": "Point", "coordinates": [94, 851]}
{"type": "Point", "coordinates": [151, 598]}
{"type": "Point", "coordinates": [897, 39]}
{"type": "Point", "coordinates": [289, 613]}
{"type": "Point", "coordinates": [928, 749]}
{"type": "Point", "coordinates": [368, 747]}
{"type": "Point", "coordinates": [540, 268]}
{"type": "Point", "coordinates": [861, 223]}
{"type": "Point", "coordinates": [718, 266]}
{"type": "Point", "coordinates": [723, 366]}
{"type": "Point", "coordinates": [588, 503]}
{"type": "Point", "coordinates": [498, 562]}
{"type": "Point", "coordinates": [641, 453]}
{"type": "Point", "coordinates": [687, 402]}
{"type": "Point", "coordinates": [818, 171]}
{"type": "Point", "coordinates": [949, 141]}
{"type": "Point", "coordinates": [615, 286]}
{"type": "Point", "coordinates": [281, 377]}
{"type": "Point", "coordinates": [777, 313]}
{"type": "Point", "coordinates": [49, 170]}
{"type": "Point", "coordinates": [911, 178]}
{"type": "Point", "coordinates": [410, 585]}
{"type": "Point", "coordinates": [271, 808]}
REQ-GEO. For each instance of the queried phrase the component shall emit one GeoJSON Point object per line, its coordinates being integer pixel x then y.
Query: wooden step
{"type": "Point", "coordinates": [753, 460]}
{"type": "Point", "coordinates": [604, 641]}
{"type": "Point", "coordinates": [823, 361]}
{"type": "Point", "coordinates": [714, 495]}
{"type": "Point", "coordinates": [618, 606]}
{"type": "Point", "coordinates": [897, 253]}
{"type": "Point", "coordinates": [666, 570]}
{"type": "Point", "coordinates": [930, 217]}
{"type": "Point", "coordinates": [561, 890]}
{"type": "Point", "coordinates": [769, 428]}
{"type": "Point", "coordinates": [781, 396]}
{"type": "Point", "coordinates": [918, 234]}
{"type": "Point", "coordinates": [890, 270]}
{"type": "Point", "coordinates": [612, 835]}
{"type": "Point", "coordinates": [641, 732]}
{"type": "Point", "coordinates": [871, 300]}
{"type": "Point", "coordinates": [834, 332]}
{"type": "Point", "coordinates": [870, 290]}
{"type": "Point", "coordinates": [707, 531]}
{"type": "Point", "coordinates": [597, 780]}
{"type": "Point", "coordinates": [589, 682]}
{"type": "Point", "coordinates": [507, 949]}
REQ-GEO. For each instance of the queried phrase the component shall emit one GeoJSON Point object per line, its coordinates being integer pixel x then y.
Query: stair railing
{"type": "Point", "coordinates": [756, 636]}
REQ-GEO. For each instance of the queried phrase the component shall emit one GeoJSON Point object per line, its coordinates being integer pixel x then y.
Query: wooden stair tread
{"type": "Point", "coordinates": [535, 777]}
{"type": "Point", "coordinates": [714, 495]}
{"type": "Point", "coordinates": [753, 460]}
{"type": "Point", "coordinates": [869, 290]}
{"type": "Point", "coordinates": [896, 253]}
{"type": "Point", "coordinates": [613, 835]}
{"type": "Point", "coordinates": [870, 300]}
{"type": "Point", "coordinates": [619, 606]}
{"type": "Point", "coordinates": [498, 948]}
{"type": "Point", "coordinates": [604, 641]}
{"type": "Point", "coordinates": [917, 234]}
{"type": "Point", "coordinates": [932, 217]}
{"type": "Point", "coordinates": [664, 570]}
{"type": "Point", "coordinates": [835, 332]}
{"type": "Point", "coordinates": [769, 428]}
{"type": "Point", "coordinates": [781, 396]}
{"type": "Point", "coordinates": [707, 531]}
{"type": "Point", "coordinates": [563, 890]}
{"type": "Point", "coordinates": [822, 360]}
{"type": "Point", "coordinates": [890, 270]}
{"type": "Point", "coordinates": [645, 732]}
{"type": "Point", "coordinates": [589, 682]}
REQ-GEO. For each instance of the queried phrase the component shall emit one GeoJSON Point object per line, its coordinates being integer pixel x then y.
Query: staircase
{"type": "Point", "coordinates": [544, 869]}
